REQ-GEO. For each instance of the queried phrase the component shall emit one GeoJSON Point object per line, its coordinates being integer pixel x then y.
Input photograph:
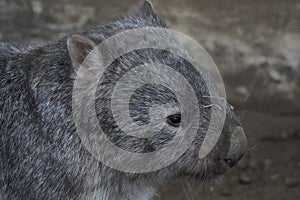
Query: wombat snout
{"type": "Point", "coordinates": [238, 146]}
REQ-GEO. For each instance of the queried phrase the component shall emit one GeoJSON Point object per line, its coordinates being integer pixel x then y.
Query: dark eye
{"type": "Point", "coordinates": [174, 120]}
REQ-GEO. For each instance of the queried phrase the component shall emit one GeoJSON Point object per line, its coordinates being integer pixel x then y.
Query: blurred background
{"type": "Point", "coordinates": [255, 44]}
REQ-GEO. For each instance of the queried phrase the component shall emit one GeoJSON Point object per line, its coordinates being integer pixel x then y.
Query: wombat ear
{"type": "Point", "coordinates": [79, 47]}
{"type": "Point", "coordinates": [147, 8]}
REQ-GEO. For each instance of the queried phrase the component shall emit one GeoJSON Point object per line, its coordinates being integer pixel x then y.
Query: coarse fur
{"type": "Point", "coordinates": [41, 155]}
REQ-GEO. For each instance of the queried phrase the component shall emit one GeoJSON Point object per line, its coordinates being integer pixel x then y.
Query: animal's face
{"type": "Point", "coordinates": [229, 149]}
{"type": "Point", "coordinates": [144, 117]}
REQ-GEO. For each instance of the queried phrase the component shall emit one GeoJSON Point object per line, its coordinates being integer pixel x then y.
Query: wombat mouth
{"type": "Point", "coordinates": [211, 171]}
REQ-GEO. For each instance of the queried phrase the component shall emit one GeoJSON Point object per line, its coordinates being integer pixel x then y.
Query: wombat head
{"type": "Point", "coordinates": [136, 106]}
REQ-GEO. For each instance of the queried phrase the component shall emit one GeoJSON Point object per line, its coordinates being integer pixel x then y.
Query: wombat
{"type": "Point", "coordinates": [41, 154]}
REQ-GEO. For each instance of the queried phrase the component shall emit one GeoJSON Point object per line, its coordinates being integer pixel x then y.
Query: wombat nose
{"type": "Point", "coordinates": [238, 145]}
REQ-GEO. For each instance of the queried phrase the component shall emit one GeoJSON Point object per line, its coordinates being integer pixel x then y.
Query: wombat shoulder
{"type": "Point", "coordinates": [11, 48]}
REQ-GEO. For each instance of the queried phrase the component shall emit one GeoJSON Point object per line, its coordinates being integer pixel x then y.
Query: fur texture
{"type": "Point", "coordinates": [41, 156]}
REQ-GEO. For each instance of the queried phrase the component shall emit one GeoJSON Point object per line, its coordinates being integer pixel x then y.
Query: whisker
{"type": "Point", "coordinates": [241, 116]}
{"type": "Point", "coordinates": [184, 190]}
{"type": "Point", "coordinates": [251, 148]}
{"type": "Point", "coordinates": [211, 105]}
{"type": "Point", "coordinates": [247, 97]}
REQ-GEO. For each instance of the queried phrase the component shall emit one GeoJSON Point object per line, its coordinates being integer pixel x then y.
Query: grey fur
{"type": "Point", "coordinates": [41, 156]}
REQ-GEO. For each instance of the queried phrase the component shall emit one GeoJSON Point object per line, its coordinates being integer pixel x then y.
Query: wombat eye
{"type": "Point", "coordinates": [174, 120]}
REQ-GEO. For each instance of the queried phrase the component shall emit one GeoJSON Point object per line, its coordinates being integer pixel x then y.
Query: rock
{"type": "Point", "coordinates": [274, 177]}
{"type": "Point", "coordinates": [291, 182]}
{"type": "Point", "coordinates": [288, 46]}
{"type": "Point", "coordinates": [242, 90]}
{"type": "Point", "coordinates": [253, 164]}
{"type": "Point", "coordinates": [267, 164]}
{"type": "Point", "coordinates": [275, 75]}
{"type": "Point", "coordinates": [37, 7]}
{"type": "Point", "coordinates": [225, 191]}
{"type": "Point", "coordinates": [243, 164]}
{"type": "Point", "coordinates": [245, 179]}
